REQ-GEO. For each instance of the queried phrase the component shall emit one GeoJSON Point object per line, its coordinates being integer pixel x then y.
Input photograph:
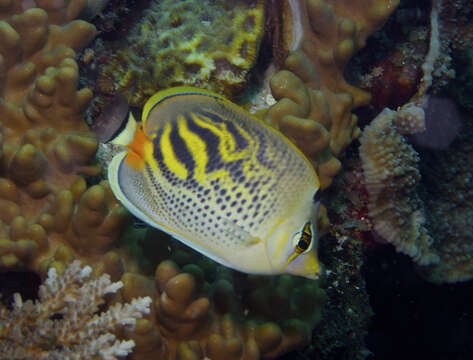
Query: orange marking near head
{"type": "Point", "coordinates": [134, 160]}
{"type": "Point", "coordinates": [135, 157]}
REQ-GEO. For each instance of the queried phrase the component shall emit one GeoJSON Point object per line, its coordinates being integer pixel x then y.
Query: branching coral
{"type": "Point", "coordinates": [314, 101]}
{"type": "Point", "coordinates": [64, 324]}
{"type": "Point", "coordinates": [211, 44]}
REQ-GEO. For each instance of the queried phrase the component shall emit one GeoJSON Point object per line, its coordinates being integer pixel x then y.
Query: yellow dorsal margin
{"type": "Point", "coordinates": [174, 91]}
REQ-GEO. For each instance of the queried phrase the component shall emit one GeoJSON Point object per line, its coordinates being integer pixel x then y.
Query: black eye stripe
{"type": "Point", "coordinates": [304, 245]}
{"type": "Point", "coordinates": [122, 125]}
{"type": "Point", "coordinates": [317, 196]}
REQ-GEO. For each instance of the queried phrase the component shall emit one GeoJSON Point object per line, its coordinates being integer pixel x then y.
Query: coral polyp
{"type": "Point", "coordinates": [211, 44]}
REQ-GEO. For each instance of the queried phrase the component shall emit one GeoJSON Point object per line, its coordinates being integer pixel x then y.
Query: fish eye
{"type": "Point", "coordinates": [303, 240]}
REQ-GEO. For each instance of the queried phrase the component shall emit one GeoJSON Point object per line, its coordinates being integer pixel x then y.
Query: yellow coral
{"type": "Point", "coordinates": [211, 44]}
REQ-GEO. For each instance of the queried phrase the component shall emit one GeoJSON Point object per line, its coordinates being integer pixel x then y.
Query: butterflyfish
{"type": "Point", "coordinates": [221, 181]}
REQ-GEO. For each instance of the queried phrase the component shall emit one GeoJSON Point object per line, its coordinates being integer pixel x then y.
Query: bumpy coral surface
{"type": "Point", "coordinates": [45, 144]}
{"type": "Point", "coordinates": [314, 101]}
{"type": "Point", "coordinates": [450, 208]}
{"type": "Point", "coordinates": [390, 168]}
{"type": "Point", "coordinates": [203, 309]}
{"type": "Point", "coordinates": [209, 44]}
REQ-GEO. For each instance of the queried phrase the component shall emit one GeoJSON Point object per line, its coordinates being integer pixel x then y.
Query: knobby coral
{"type": "Point", "coordinates": [314, 101]}
{"type": "Point", "coordinates": [202, 309]}
{"type": "Point", "coordinates": [64, 324]}
{"type": "Point", "coordinates": [45, 144]}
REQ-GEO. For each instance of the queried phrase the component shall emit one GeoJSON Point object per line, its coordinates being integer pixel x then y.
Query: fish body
{"type": "Point", "coordinates": [221, 181]}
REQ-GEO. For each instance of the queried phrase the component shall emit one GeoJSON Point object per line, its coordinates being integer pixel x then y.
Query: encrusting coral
{"type": "Point", "coordinates": [63, 323]}
{"type": "Point", "coordinates": [450, 208]}
{"type": "Point", "coordinates": [390, 168]}
{"type": "Point", "coordinates": [314, 101]}
{"type": "Point", "coordinates": [209, 44]}
{"type": "Point", "coordinates": [438, 240]}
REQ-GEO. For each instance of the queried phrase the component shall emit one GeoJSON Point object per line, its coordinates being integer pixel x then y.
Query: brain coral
{"type": "Point", "coordinates": [211, 44]}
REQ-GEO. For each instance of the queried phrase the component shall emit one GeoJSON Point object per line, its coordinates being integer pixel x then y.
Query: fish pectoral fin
{"type": "Point", "coordinates": [252, 240]}
{"type": "Point", "coordinates": [240, 234]}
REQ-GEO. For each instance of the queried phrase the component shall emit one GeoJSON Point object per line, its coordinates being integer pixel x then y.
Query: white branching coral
{"type": "Point", "coordinates": [64, 323]}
